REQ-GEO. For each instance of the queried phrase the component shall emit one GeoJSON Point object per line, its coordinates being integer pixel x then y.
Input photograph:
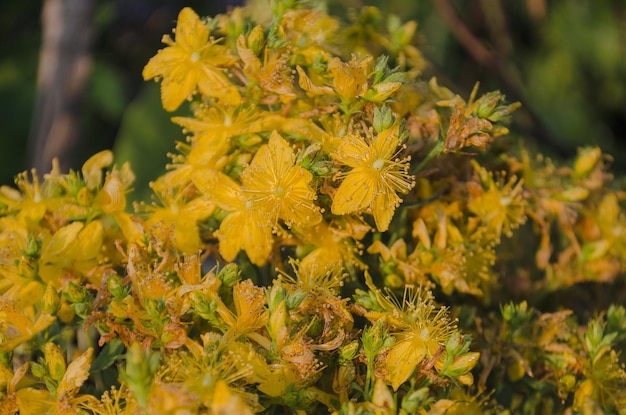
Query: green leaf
{"type": "Point", "coordinates": [111, 353]}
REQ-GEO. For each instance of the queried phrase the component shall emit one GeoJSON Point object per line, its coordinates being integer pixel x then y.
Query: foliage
{"type": "Point", "coordinates": [336, 234]}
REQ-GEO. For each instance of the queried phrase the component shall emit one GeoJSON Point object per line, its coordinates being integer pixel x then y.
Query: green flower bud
{"type": "Point", "coordinates": [116, 287]}
{"type": "Point", "coordinates": [295, 299]}
{"type": "Point", "coordinates": [229, 275]}
{"type": "Point", "coordinates": [55, 360]}
{"type": "Point", "coordinates": [141, 367]}
{"type": "Point", "coordinates": [383, 118]}
{"type": "Point", "coordinates": [154, 306]}
{"type": "Point", "coordinates": [82, 310]}
{"type": "Point", "coordinates": [38, 370]}
{"type": "Point", "coordinates": [204, 307]}
{"type": "Point", "coordinates": [33, 247]}
{"type": "Point", "coordinates": [348, 352]}
{"type": "Point", "coordinates": [380, 92]}
{"type": "Point", "coordinates": [276, 296]}
{"type": "Point", "coordinates": [76, 293]}
{"type": "Point", "coordinates": [256, 39]}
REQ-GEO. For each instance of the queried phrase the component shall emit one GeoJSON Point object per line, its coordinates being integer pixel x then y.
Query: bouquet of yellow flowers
{"type": "Point", "coordinates": [336, 235]}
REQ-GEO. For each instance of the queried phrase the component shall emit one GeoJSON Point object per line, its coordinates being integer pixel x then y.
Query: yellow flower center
{"type": "Point", "coordinates": [195, 57]}
{"type": "Point", "coordinates": [379, 164]}
{"type": "Point", "coordinates": [279, 191]}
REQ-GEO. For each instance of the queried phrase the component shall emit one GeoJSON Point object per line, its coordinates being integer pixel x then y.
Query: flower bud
{"type": "Point", "coordinates": [256, 39]}
{"type": "Point", "coordinates": [295, 299]}
{"type": "Point", "coordinates": [277, 320]}
{"type": "Point", "coordinates": [344, 376]}
{"type": "Point", "coordinates": [51, 300]}
{"type": "Point", "coordinates": [586, 161]}
{"type": "Point", "coordinates": [65, 313]}
{"type": "Point", "coordinates": [229, 275]}
{"type": "Point", "coordinates": [116, 287]}
{"type": "Point", "coordinates": [383, 398]}
{"type": "Point", "coordinates": [55, 360]}
{"type": "Point", "coordinates": [84, 197]}
{"type": "Point", "coordinates": [76, 293]}
{"type": "Point", "coordinates": [576, 194]}
{"type": "Point", "coordinates": [204, 307]}
{"type": "Point", "coordinates": [383, 118]}
{"type": "Point", "coordinates": [38, 370]}
{"type": "Point", "coordinates": [465, 363]}
{"type": "Point", "coordinates": [28, 267]}
{"type": "Point", "coordinates": [348, 352]}
{"type": "Point", "coordinates": [276, 296]}
{"type": "Point", "coordinates": [380, 92]}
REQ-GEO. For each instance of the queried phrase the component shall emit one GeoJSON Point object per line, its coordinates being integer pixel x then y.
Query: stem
{"type": "Point", "coordinates": [434, 152]}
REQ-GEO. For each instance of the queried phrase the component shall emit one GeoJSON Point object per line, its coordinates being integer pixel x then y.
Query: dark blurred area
{"type": "Point", "coordinates": [565, 61]}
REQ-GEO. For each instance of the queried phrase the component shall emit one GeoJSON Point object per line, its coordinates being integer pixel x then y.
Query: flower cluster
{"type": "Point", "coordinates": [333, 236]}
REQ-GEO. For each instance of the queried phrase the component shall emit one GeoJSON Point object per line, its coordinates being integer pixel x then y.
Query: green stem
{"type": "Point", "coordinates": [434, 152]}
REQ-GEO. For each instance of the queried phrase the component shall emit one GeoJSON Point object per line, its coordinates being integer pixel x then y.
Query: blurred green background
{"type": "Point", "coordinates": [564, 60]}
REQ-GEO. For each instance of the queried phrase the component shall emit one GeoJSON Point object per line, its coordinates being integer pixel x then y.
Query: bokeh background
{"type": "Point", "coordinates": [564, 60]}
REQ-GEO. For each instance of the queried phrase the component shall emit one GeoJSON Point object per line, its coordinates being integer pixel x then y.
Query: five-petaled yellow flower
{"type": "Point", "coordinates": [375, 178]}
{"type": "Point", "coordinates": [279, 186]}
{"type": "Point", "coordinates": [193, 60]}
{"type": "Point", "coordinates": [245, 226]}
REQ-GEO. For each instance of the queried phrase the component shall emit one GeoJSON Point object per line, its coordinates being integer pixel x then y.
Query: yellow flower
{"type": "Point", "coordinates": [182, 217]}
{"type": "Point", "coordinates": [245, 227]}
{"type": "Point", "coordinates": [18, 325]}
{"type": "Point", "coordinates": [193, 60]}
{"type": "Point", "coordinates": [250, 302]}
{"type": "Point", "coordinates": [423, 334]}
{"type": "Point", "coordinates": [421, 331]}
{"type": "Point", "coordinates": [273, 75]}
{"type": "Point", "coordinates": [499, 205]}
{"type": "Point", "coordinates": [350, 78]}
{"type": "Point", "coordinates": [72, 251]}
{"type": "Point", "coordinates": [332, 249]}
{"type": "Point", "coordinates": [275, 184]}
{"type": "Point", "coordinates": [376, 175]}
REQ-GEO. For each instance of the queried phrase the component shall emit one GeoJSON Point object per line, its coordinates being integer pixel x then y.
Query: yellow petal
{"type": "Point", "coordinates": [240, 230]}
{"type": "Point", "coordinates": [355, 193]}
{"type": "Point", "coordinates": [384, 207]}
{"type": "Point", "coordinates": [191, 33]}
{"type": "Point", "coordinates": [305, 83]}
{"type": "Point", "coordinates": [92, 168]}
{"type": "Point", "coordinates": [175, 90]}
{"type": "Point", "coordinates": [353, 151]}
{"type": "Point", "coordinates": [402, 359]}
{"type": "Point", "coordinates": [225, 402]}
{"type": "Point", "coordinates": [60, 241]}
{"type": "Point", "coordinates": [76, 374]}
{"type": "Point", "coordinates": [89, 241]}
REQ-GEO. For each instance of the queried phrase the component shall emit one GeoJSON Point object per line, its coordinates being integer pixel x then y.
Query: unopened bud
{"type": "Point", "coordinates": [586, 161]}
{"type": "Point", "coordinates": [229, 275]}
{"type": "Point", "coordinates": [51, 300]}
{"type": "Point", "coordinates": [116, 287]}
{"type": "Point", "coordinates": [76, 293]}
{"type": "Point", "coordinates": [256, 39]}
{"type": "Point", "coordinates": [348, 352]}
{"type": "Point", "coordinates": [55, 361]}
{"type": "Point", "coordinates": [382, 91]}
